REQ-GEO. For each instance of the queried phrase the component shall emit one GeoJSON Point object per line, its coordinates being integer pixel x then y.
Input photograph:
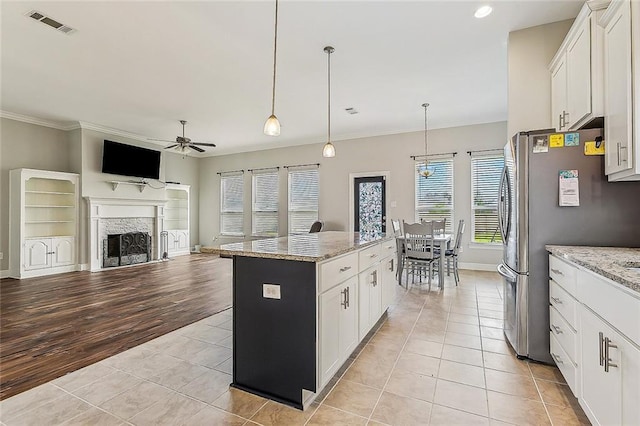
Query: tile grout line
{"type": "Point", "coordinates": [546, 410]}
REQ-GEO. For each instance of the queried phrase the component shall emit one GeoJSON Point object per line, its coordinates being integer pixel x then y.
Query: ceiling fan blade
{"type": "Point", "coordinates": [203, 144]}
{"type": "Point", "coordinates": [171, 146]}
{"type": "Point", "coordinates": [195, 148]}
{"type": "Point", "coordinates": [160, 140]}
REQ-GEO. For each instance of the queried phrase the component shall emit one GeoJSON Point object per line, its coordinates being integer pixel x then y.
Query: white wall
{"type": "Point", "coordinates": [530, 51]}
{"type": "Point", "coordinates": [382, 153]}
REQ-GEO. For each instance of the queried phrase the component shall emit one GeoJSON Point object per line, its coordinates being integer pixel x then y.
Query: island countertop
{"type": "Point", "coordinates": [314, 247]}
{"type": "Point", "coordinates": [610, 262]}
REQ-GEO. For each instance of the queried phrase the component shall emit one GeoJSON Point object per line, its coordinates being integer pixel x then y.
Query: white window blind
{"type": "Point", "coordinates": [231, 204]}
{"type": "Point", "coordinates": [485, 179]}
{"type": "Point", "coordinates": [265, 203]}
{"type": "Point", "coordinates": [434, 195]}
{"type": "Point", "coordinates": [303, 200]}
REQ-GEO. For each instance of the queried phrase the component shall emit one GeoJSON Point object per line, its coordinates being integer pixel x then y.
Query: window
{"type": "Point", "coordinates": [231, 202]}
{"type": "Point", "coordinates": [434, 195]}
{"type": "Point", "coordinates": [485, 179]}
{"type": "Point", "coordinates": [303, 200]}
{"type": "Point", "coordinates": [265, 203]}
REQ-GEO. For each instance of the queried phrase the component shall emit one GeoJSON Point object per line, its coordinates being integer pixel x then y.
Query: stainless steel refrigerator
{"type": "Point", "coordinates": [530, 217]}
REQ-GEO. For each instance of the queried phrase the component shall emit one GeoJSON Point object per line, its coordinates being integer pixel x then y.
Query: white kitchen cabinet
{"type": "Point", "coordinates": [43, 222]}
{"type": "Point", "coordinates": [176, 219]}
{"type": "Point", "coordinates": [388, 269]}
{"type": "Point", "coordinates": [621, 34]}
{"type": "Point", "coordinates": [369, 299]}
{"type": "Point", "coordinates": [577, 72]}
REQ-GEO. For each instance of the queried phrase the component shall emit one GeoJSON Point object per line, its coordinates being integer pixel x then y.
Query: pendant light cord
{"type": "Point", "coordinates": [329, 94]}
{"type": "Point", "coordinates": [425, 105]}
{"type": "Point", "coordinates": [275, 50]}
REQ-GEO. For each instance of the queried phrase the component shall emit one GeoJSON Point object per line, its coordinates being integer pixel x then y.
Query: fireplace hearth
{"type": "Point", "coordinates": [126, 249]}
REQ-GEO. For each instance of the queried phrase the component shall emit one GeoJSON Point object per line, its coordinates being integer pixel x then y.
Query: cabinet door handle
{"type": "Point", "coordinates": [345, 269]}
{"type": "Point", "coordinates": [607, 359]}
{"type": "Point", "coordinates": [557, 300]}
{"type": "Point", "coordinates": [557, 358]}
{"type": "Point", "coordinates": [344, 302]}
{"type": "Point", "coordinates": [348, 296]}
{"type": "Point", "coordinates": [618, 145]}
{"type": "Point", "coordinates": [51, 252]}
{"type": "Point", "coordinates": [374, 278]}
{"type": "Point", "coordinates": [601, 350]}
{"type": "Point", "coordinates": [620, 157]}
{"type": "Point", "coordinates": [391, 265]}
{"type": "Point", "coordinates": [565, 117]}
{"type": "Point", "coordinates": [557, 271]}
{"type": "Point", "coordinates": [559, 121]}
{"type": "Point", "coordinates": [557, 329]}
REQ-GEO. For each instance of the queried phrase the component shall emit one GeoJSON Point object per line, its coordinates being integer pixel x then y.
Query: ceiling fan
{"type": "Point", "coordinates": [184, 144]}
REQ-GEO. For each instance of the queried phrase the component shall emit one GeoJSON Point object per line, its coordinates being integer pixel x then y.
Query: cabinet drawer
{"type": "Point", "coordinates": [564, 303]}
{"type": "Point", "coordinates": [567, 367]}
{"type": "Point", "coordinates": [563, 274]}
{"type": "Point", "coordinates": [337, 270]}
{"type": "Point", "coordinates": [388, 248]}
{"type": "Point", "coordinates": [369, 256]}
{"type": "Point", "coordinates": [565, 335]}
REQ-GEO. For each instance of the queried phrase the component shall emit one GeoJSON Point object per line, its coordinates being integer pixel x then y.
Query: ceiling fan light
{"type": "Point", "coordinates": [272, 126]}
{"type": "Point", "coordinates": [184, 149]}
{"type": "Point", "coordinates": [329, 150]}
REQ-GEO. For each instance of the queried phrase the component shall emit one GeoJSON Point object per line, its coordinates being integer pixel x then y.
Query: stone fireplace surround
{"type": "Point", "coordinates": [116, 216]}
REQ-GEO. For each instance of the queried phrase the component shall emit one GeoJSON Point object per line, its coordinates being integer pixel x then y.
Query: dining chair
{"type": "Point", "coordinates": [316, 226]}
{"type": "Point", "coordinates": [419, 249]}
{"type": "Point", "coordinates": [395, 225]}
{"type": "Point", "coordinates": [397, 232]}
{"type": "Point", "coordinates": [439, 225]}
{"type": "Point", "coordinates": [452, 254]}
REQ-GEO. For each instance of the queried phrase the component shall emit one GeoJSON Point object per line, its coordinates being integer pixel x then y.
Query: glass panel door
{"type": "Point", "coordinates": [369, 210]}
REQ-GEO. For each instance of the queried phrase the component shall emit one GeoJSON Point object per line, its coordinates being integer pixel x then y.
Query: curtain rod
{"type": "Point", "coordinates": [413, 157]}
{"type": "Point", "coordinates": [485, 150]}
{"type": "Point", "coordinates": [302, 165]}
{"type": "Point", "coordinates": [231, 171]}
{"type": "Point", "coordinates": [264, 168]}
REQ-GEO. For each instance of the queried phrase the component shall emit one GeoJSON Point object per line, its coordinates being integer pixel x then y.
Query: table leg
{"type": "Point", "coordinates": [443, 249]}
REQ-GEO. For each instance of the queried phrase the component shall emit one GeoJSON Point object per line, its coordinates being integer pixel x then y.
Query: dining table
{"type": "Point", "coordinates": [440, 240]}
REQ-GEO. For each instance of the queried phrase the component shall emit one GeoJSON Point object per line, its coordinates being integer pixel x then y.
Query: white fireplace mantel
{"type": "Point", "coordinates": [118, 208]}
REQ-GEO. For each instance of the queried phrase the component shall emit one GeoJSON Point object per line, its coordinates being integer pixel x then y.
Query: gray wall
{"type": "Point", "coordinates": [374, 154]}
{"type": "Point", "coordinates": [24, 145]}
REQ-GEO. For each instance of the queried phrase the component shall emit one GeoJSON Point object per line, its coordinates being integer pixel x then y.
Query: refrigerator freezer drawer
{"type": "Point", "coordinates": [566, 305]}
{"type": "Point", "coordinates": [565, 335]}
{"type": "Point", "coordinates": [563, 274]}
{"type": "Point", "coordinates": [568, 369]}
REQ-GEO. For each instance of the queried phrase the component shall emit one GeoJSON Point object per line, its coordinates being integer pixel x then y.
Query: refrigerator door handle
{"type": "Point", "coordinates": [504, 203]}
{"type": "Point", "coordinates": [506, 272]}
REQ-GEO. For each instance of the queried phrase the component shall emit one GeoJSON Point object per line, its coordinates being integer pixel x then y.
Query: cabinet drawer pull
{"type": "Point", "coordinates": [607, 359]}
{"type": "Point", "coordinates": [557, 329]}
{"type": "Point", "coordinates": [557, 300]}
{"type": "Point", "coordinates": [51, 252]}
{"type": "Point", "coordinates": [557, 358]}
{"type": "Point", "coordinates": [373, 255]}
{"type": "Point", "coordinates": [557, 271]}
{"type": "Point", "coordinates": [345, 269]}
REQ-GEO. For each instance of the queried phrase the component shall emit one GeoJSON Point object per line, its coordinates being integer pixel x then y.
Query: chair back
{"type": "Point", "coordinates": [458, 243]}
{"type": "Point", "coordinates": [439, 226]}
{"type": "Point", "coordinates": [418, 239]}
{"type": "Point", "coordinates": [397, 230]}
{"type": "Point", "coordinates": [316, 227]}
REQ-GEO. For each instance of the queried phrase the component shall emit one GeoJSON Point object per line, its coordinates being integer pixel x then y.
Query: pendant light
{"type": "Point", "coordinates": [329, 150]}
{"type": "Point", "coordinates": [425, 170]}
{"type": "Point", "coordinates": [272, 125]}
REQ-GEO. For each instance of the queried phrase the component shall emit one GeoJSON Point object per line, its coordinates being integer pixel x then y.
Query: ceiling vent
{"type": "Point", "coordinates": [351, 110]}
{"type": "Point", "coordinates": [41, 17]}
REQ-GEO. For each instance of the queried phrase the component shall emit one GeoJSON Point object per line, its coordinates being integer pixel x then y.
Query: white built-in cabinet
{"type": "Point", "coordinates": [176, 219]}
{"type": "Point", "coordinates": [621, 24]}
{"type": "Point", "coordinates": [43, 222]}
{"type": "Point", "coordinates": [577, 72]}
{"type": "Point", "coordinates": [354, 290]}
{"type": "Point", "coordinates": [595, 341]}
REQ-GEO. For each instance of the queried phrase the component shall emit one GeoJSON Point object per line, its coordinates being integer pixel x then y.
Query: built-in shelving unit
{"type": "Point", "coordinates": [43, 222]}
{"type": "Point", "coordinates": [176, 219]}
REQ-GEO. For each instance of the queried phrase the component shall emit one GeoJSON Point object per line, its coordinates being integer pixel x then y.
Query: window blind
{"type": "Point", "coordinates": [303, 200]}
{"type": "Point", "coordinates": [231, 204]}
{"type": "Point", "coordinates": [485, 180]}
{"type": "Point", "coordinates": [434, 195]}
{"type": "Point", "coordinates": [265, 203]}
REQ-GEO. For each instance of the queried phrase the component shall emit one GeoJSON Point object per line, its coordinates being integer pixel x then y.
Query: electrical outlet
{"type": "Point", "coordinates": [271, 291]}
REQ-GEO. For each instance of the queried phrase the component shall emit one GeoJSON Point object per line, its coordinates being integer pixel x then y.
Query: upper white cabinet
{"type": "Point", "coordinates": [577, 72]}
{"type": "Point", "coordinates": [621, 79]}
{"type": "Point", "coordinates": [176, 219]}
{"type": "Point", "coordinates": [43, 222]}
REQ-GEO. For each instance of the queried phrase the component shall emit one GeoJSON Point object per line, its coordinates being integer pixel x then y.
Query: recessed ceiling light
{"type": "Point", "coordinates": [483, 11]}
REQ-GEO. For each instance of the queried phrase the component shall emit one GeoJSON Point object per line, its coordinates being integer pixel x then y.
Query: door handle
{"type": "Point", "coordinates": [559, 121]}
{"type": "Point", "coordinates": [607, 359]}
{"type": "Point", "coordinates": [344, 302]}
{"type": "Point", "coordinates": [600, 347]}
{"type": "Point", "coordinates": [505, 272]}
{"type": "Point", "coordinates": [557, 329]}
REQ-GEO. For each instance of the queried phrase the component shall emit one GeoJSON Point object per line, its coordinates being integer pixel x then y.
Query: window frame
{"type": "Point", "coordinates": [475, 207]}
{"type": "Point", "coordinates": [223, 212]}
{"type": "Point", "coordinates": [417, 210]}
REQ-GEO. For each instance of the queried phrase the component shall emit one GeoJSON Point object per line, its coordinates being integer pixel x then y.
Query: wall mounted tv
{"type": "Point", "coordinates": [129, 160]}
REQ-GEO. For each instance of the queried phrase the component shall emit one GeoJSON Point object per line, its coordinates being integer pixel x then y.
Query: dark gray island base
{"type": "Point", "coordinates": [301, 305]}
{"type": "Point", "coordinates": [274, 340]}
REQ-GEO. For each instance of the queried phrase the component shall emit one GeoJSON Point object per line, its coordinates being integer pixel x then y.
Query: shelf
{"type": "Point", "coordinates": [50, 192]}
{"type": "Point", "coordinates": [37, 237]}
{"type": "Point", "coordinates": [115, 183]}
{"type": "Point", "coordinates": [42, 206]}
{"type": "Point", "coordinates": [47, 221]}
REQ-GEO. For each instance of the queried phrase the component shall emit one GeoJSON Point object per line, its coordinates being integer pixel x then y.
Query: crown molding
{"type": "Point", "coordinates": [66, 126]}
{"type": "Point", "coordinates": [110, 130]}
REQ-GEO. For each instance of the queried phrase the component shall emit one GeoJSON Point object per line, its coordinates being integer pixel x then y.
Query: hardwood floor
{"type": "Point", "coordinates": [53, 325]}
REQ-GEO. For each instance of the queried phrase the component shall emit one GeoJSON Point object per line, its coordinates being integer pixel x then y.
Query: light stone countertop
{"type": "Point", "coordinates": [314, 247]}
{"type": "Point", "coordinates": [610, 262]}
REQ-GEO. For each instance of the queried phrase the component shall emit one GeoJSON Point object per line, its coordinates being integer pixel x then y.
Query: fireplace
{"type": "Point", "coordinates": [126, 249]}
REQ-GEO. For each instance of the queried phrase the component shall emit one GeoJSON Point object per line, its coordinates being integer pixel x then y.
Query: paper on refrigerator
{"type": "Point", "coordinates": [569, 188]}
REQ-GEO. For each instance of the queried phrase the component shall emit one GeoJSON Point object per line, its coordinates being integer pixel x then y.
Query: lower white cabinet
{"type": "Point", "coordinates": [43, 253]}
{"type": "Point", "coordinates": [338, 327]}
{"type": "Point", "coordinates": [178, 242]}
{"type": "Point", "coordinates": [388, 269]}
{"type": "Point", "coordinates": [369, 299]}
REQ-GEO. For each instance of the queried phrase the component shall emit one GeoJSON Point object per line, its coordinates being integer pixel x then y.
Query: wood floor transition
{"type": "Point", "coordinates": [50, 326]}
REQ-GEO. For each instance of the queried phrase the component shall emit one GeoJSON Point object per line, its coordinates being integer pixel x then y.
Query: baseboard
{"type": "Point", "coordinates": [84, 267]}
{"type": "Point", "coordinates": [477, 266]}
{"type": "Point", "coordinates": [4, 273]}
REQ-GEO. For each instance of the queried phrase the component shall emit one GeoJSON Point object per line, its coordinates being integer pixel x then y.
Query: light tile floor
{"type": "Point", "coordinates": [439, 357]}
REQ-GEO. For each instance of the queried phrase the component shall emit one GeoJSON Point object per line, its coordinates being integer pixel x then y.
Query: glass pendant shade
{"type": "Point", "coordinates": [272, 126]}
{"type": "Point", "coordinates": [329, 150]}
{"type": "Point", "coordinates": [426, 170]}
{"type": "Point", "coordinates": [184, 149]}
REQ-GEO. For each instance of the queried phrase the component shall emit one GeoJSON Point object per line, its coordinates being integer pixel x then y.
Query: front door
{"type": "Point", "coordinates": [369, 209]}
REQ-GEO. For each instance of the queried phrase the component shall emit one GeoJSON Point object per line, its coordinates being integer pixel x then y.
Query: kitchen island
{"type": "Point", "coordinates": [301, 305]}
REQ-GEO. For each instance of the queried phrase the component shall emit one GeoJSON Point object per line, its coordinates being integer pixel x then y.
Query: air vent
{"type": "Point", "coordinates": [351, 110]}
{"type": "Point", "coordinates": [41, 17]}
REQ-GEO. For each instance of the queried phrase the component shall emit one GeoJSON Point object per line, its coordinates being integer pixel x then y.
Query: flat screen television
{"type": "Point", "coordinates": [129, 160]}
